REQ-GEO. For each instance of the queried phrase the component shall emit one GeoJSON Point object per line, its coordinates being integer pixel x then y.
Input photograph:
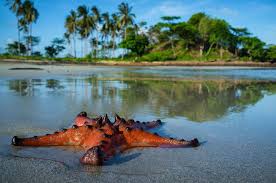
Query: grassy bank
{"type": "Point", "coordinates": [117, 62]}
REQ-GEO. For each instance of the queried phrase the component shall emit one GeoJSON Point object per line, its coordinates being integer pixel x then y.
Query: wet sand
{"type": "Point", "coordinates": [237, 147]}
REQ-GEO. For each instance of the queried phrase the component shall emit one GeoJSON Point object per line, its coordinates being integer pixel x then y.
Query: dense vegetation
{"type": "Point", "coordinates": [118, 36]}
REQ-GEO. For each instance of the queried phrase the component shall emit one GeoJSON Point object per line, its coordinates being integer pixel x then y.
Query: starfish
{"type": "Point", "coordinates": [103, 139]}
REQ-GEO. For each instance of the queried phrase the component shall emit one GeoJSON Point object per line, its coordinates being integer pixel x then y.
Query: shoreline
{"type": "Point", "coordinates": [155, 63]}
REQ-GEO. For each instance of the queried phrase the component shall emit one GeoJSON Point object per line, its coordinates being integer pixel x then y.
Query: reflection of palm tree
{"type": "Point", "coordinates": [24, 87]}
{"type": "Point", "coordinates": [19, 86]}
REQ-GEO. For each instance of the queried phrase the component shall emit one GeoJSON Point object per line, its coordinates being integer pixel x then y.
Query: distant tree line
{"type": "Point", "coordinates": [102, 35]}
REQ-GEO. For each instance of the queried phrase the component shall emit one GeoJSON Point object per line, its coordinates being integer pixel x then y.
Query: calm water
{"type": "Point", "coordinates": [231, 111]}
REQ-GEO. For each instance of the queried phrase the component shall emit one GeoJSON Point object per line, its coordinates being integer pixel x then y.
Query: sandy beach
{"type": "Point", "coordinates": [236, 145]}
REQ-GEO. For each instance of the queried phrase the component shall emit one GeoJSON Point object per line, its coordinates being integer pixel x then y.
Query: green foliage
{"type": "Point", "coordinates": [202, 37]}
{"type": "Point", "coordinates": [187, 33]}
{"type": "Point", "coordinates": [170, 19]}
{"type": "Point", "coordinates": [37, 54]}
{"type": "Point", "coordinates": [55, 48]}
{"type": "Point", "coordinates": [220, 33]}
{"type": "Point", "coordinates": [205, 28]}
{"type": "Point", "coordinates": [137, 43]}
{"type": "Point", "coordinates": [196, 18]}
{"type": "Point", "coordinates": [159, 56]}
{"type": "Point", "coordinates": [253, 47]}
{"type": "Point", "coordinates": [15, 48]}
{"type": "Point", "coordinates": [32, 40]}
{"type": "Point", "coordinates": [271, 53]}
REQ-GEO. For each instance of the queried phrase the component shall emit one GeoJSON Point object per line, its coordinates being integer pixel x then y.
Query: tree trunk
{"type": "Point", "coordinates": [125, 34]}
{"type": "Point", "coordinates": [70, 47]}
{"type": "Point", "coordinates": [18, 34]}
{"type": "Point", "coordinates": [81, 47]}
{"type": "Point", "coordinates": [236, 52]}
{"type": "Point", "coordinates": [28, 42]}
{"type": "Point", "coordinates": [221, 52]}
{"type": "Point", "coordinates": [92, 46]}
{"type": "Point", "coordinates": [97, 43]}
{"type": "Point", "coordinates": [209, 50]}
{"type": "Point", "coordinates": [85, 45]}
{"type": "Point", "coordinates": [201, 48]}
{"type": "Point", "coordinates": [113, 47]}
{"type": "Point", "coordinates": [108, 47]}
{"type": "Point", "coordinates": [104, 47]}
{"type": "Point", "coordinates": [74, 37]}
{"type": "Point", "coordinates": [31, 40]}
{"type": "Point", "coordinates": [172, 47]}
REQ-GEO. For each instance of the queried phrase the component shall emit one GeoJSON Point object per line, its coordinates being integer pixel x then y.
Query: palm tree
{"type": "Point", "coordinates": [67, 38]}
{"type": "Point", "coordinates": [86, 23]}
{"type": "Point", "coordinates": [126, 17]}
{"type": "Point", "coordinates": [16, 7]}
{"type": "Point", "coordinates": [114, 28]}
{"type": "Point", "coordinates": [93, 43]}
{"type": "Point", "coordinates": [71, 26]}
{"type": "Point", "coordinates": [30, 16]}
{"type": "Point", "coordinates": [105, 29]}
{"type": "Point", "coordinates": [97, 19]}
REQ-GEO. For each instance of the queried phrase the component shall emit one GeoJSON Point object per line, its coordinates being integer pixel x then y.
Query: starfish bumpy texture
{"type": "Point", "coordinates": [103, 139]}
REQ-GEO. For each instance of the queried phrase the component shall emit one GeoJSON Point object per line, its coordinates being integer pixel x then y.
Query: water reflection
{"type": "Point", "coordinates": [32, 86]}
{"type": "Point", "coordinates": [53, 84]}
{"type": "Point", "coordinates": [197, 100]}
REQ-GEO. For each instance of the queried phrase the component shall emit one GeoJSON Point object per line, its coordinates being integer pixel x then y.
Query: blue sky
{"type": "Point", "coordinates": [258, 16]}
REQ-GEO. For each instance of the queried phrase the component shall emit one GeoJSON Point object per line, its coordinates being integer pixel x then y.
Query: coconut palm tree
{"type": "Point", "coordinates": [114, 29]}
{"type": "Point", "coordinates": [30, 16]}
{"type": "Point", "coordinates": [67, 38]}
{"type": "Point", "coordinates": [126, 17]}
{"type": "Point", "coordinates": [93, 43]}
{"type": "Point", "coordinates": [85, 23]}
{"type": "Point", "coordinates": [16, 7]}
{"type": "Point", "coordinates": [105, 29]}
{"type": "Point", "coordinates": [71, 27]}
{"type": "Point", "coordinates": [98, 20]}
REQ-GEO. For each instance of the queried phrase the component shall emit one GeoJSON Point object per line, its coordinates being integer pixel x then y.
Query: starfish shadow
{"type": "Point", "coordinates": [119, 159]}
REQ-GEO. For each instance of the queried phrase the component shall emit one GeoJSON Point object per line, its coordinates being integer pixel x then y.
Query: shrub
{"type": "Point", "coordinates": [159, 56]}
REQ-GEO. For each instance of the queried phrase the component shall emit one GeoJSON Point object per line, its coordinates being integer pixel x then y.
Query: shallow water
{"type": "Point", "coordinates": [230, 110]}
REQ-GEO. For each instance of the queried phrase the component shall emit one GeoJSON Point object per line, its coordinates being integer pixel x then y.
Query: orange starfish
{"type": "Point", "coordinates": [103, 139]}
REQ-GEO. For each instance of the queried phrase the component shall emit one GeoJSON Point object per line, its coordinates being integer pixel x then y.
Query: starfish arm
{"type": "Point", "coordinates": [105, 150]}
{"type": "Point", "coordinates": [76, 136]}
{"type": "Point", "coordinates": [93, 156]}
{"type": "Point", "coordinates": [140, 138]}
